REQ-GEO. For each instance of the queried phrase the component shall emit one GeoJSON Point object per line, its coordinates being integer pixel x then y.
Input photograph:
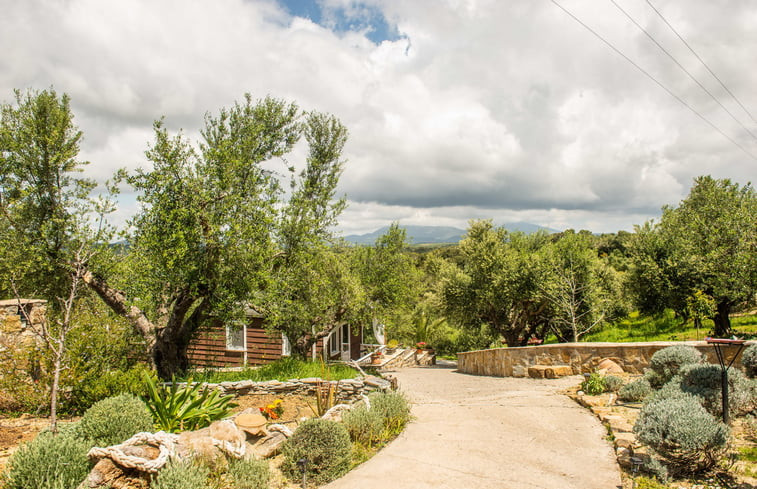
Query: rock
{"type": "Point", "coordinates": [107, 473]}
{"type": "Point", "coordinates": [336, 412]}
{"type": "Point", "coordinates": [269, 446]}
{"type": "Point", "coordinates": [625, 440]}
{"type": "Point", "coordinates": [536, 372]}
{"type": "Point", "coordinates": [609, 367]}
{"type": "Point", "coordinates": [549, 371]}
{"type": "Point", "coordinates": [213, 443]}
{"type": "Point", "coordinates": [620, 426]}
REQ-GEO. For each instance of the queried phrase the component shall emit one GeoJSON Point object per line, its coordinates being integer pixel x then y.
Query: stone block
{"type": "Point", "coordinates": [609, 366]}
{"type": "Point", "coordinates": [557, 371]}
{"type": "Point", "coordinates": [536, 372]}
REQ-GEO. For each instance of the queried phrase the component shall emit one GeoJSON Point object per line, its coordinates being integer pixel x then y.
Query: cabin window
{"type": "Point", "coordinates": [235, 338]}
{"type": "Point", "coordinates": [286, 346]}
{"type": "Point", "coordinates": [335, 341]}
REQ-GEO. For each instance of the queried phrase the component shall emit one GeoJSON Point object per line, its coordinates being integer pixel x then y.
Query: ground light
{"type": "Point", "coordinates": [717, 343]}
{"type": "Point", "coordinates": [303, 465]}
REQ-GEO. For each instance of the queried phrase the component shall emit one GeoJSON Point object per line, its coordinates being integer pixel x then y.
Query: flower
{"type": "Point", "coordinates": [273, 410]}
{"type": "Point", "coordinates": [420, 345]}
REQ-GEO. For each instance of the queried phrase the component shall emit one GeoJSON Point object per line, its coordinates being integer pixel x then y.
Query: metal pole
{"type": "Point", "coordinates": [724, 381]}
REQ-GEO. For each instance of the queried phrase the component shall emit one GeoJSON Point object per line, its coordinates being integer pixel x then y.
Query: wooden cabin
{"type": "Point", "coordinates": [225, 346]}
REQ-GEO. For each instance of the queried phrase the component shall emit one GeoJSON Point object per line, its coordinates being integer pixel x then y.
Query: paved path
{"type": "Point", "coordinates": [486, 432]}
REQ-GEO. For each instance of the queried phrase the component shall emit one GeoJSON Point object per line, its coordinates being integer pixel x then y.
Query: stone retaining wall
{"type": "Point", "coordinates": [347, 391]}
{"type": "Point", "coordinates": [581, 357]}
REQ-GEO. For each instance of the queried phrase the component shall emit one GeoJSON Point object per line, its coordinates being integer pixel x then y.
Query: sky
{"type": "Point", "coordinates": [457, 109]}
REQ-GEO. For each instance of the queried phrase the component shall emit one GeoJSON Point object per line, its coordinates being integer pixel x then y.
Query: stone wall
{"type": "Point", "coordinates": [347, 391]}
{"type": "Point", "coordinates": [581, 357]}
{"type": "Point", "coordinates": [16, 333]}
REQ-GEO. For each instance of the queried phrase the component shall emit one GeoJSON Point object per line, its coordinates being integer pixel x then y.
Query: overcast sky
{"type": "Point", "coordinates": [457, 109]}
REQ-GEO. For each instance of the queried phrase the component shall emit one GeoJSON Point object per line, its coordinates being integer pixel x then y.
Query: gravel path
{"type": "Point", "coordinates": [487, 432]}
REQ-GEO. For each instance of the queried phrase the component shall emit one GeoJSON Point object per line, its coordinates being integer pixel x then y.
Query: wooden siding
{"type": "Point", "coordinates": [208, 347]}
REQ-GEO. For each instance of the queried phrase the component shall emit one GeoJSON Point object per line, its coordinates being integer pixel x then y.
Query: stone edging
{"type": "Point", "coordinates": [346, 391]}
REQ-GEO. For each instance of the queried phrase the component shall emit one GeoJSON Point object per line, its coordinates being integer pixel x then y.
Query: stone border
{"type": "Point", "coordinates": [346, 391]}
{"type": "Point", "coordinates": [581, 357]}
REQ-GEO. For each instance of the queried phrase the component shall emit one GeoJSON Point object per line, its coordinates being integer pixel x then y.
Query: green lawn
{"type": "Point", "coordinates": [284, 369]}
{"type": "Point", "coordinates": [666, 327]}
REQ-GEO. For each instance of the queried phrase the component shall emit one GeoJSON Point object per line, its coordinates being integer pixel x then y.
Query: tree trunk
{"type": "Point", "coordinates": [54, 394]}
{"type": "Point", "coordinates": [721, 320]}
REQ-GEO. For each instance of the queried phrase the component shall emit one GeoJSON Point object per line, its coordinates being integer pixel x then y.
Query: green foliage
{"type": "Point", "coordinates": [500, 283]}
{"type": "Point", "coordinates": [647, 483]}
{"type": "Point", "coordinates": [749, 361]}
{"type": "Point", "coordinates": [394, 409]}
{"type": "Point", "coordinates": [705, 244]}
{"type": "Point", "coordinates": [635, 391]}
{"type": "Point", "coordinates": [613, 383]}
{"type": "Point", "coordinates": [249, 473]}
{"type": "Point", "coordinates": [705, 382]}
{"type": "Point", "coordinates": [283, 369]}
{"type": "Point", "coordinates": [113, 420]}
{"type": "Point", "coordinates": [364, 426]}
{"type": "Point", "coordinates": [682, 432]}
{"type": "Point", "coordinates": [182, 475]}
{"type": "Point", "coordinates": [654, 467]}
{"type": "Point", "coordinates": [325, 444]}
{"type": "Point", "coordinates": [594, 384]}
{"type": "Point", "coordinates": [109, 383]}
{"type": "Point", "coordinates": [667, 362]}
{"type": "Point", "coordinates": [48, 462]}
{"type": "Point", "coordinates": [187, 407]}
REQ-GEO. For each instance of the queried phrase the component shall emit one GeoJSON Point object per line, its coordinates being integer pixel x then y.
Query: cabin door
{"type": "Point", "coordinates": [345, 343]}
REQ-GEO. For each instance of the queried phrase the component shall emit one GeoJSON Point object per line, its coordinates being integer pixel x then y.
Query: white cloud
{"type": "Point", "coordinates": [483, 109]}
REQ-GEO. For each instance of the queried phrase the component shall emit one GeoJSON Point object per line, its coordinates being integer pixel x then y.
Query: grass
{"type": "Point", "coordinates": [283, 369]}
{"type": "Point", "coordinates": [666, 327]}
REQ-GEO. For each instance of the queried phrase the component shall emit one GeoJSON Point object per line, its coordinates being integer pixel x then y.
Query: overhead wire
{"type": "Point", "coordinates": [722, 84]}
{"type": "Point", "coordinates": [655, 80]}
{"type": "Point", "coordinates": [683, 68]}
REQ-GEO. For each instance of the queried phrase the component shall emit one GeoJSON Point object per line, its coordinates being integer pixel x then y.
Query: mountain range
{"type": "Point", "coordinates": [439, 234]}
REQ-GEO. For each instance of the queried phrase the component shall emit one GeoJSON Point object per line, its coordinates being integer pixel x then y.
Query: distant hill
{"type": "Point", "coordinates": [437, 234]}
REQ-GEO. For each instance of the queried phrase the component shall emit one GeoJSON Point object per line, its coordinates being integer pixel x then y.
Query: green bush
{"type": "Point", "coordinates": [186, 407]}
{"type": "Point", "coordinates": [593, 385]}
{"type": "Point", "coordinates": [394, 409]}
{"type": "Point", "coordinates": [613, 383]}
{"type": "Point", "coordinates": [249, 473]}
{"type": "Point", "coordinates": [749, 361]}
{"type": "Point", "coordinates": [671, 390]}
{"type": "Point", "coordinates": [181, 475]}
{"type": "Point", "coordinates": [364, 426]}
{"type": "Point", "coordinates": [48, 462]}
{"type": "Point", "coordinates": [101, 385]}
{"type": "Point", "coordinates": [113, 420]}
{"type": "Point", "coordinates": [682, 433]}
{"type": "Point", "coordinates": [325, 444]}
{"type": "Point", "coordinates": [705, 382]}
{"type": "Point", "coordinates": [655, 468]}
{"type": "Point", "coordinates": [635, 391]}
{"type": "Point", "coordinates": [667, 362]}
{"type": "Point", "coordinates": [646, 483]}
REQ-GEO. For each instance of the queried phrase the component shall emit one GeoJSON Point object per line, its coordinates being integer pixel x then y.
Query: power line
{"type": "Point", "coordinates": [651, 38]}
{"type": "Point", "coordinates": [659, 83]}
{"type": "Point", "coordinates": [702, 61]}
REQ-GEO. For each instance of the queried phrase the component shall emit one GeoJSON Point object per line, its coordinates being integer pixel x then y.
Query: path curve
{"type": "Point", "coordinates": [488, 432]}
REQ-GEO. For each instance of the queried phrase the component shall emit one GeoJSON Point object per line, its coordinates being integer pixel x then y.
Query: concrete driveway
{"type": "Point", "coordinates": [487, 432]}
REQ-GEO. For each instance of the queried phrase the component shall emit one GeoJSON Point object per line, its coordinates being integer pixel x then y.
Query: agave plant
{"type": "Point", "coordinates": [189, 407]}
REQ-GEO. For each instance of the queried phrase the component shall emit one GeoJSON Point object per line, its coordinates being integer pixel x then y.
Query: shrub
{"type": "Point", "coordinates": [683, 433]}
{"type": "Point", "coordinates": [646, 483]}
{"type": "Point", "coordinates": [655, 468]}
{"type": "Point", "coordinates": [325, 444]}
{"type": "Point", "coordinates": [593, 385]}
{"type": "Point", "coordinates": [113, 420]}
{"type": "Point", "coordinates": [394, 409]}
{"type": "Point", "coordinates": [181, 475]}
{"type": "Point", "coordinates": [613, 383]}
{"type": "Point", "coordinates": [189, 407]}
{"type": "Point", "coordinates": [364, 426]}
{"type": "Point", "coordinates": [749, 361]}
{"type": "Point", "coordinates": [705, 382]}
{"type": "Point", "coordinates": [249, 473]}
{"type": "Point", "coordinates": [48, 462]}
{"type": "Point", "coordinates": [671, 390]}
{"type": "Point", "coordinates": [635, 391]}
{"type": "Point", "coordinates": [667, 362]}
{"type": "Point", "coordinates": [101, 385]}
